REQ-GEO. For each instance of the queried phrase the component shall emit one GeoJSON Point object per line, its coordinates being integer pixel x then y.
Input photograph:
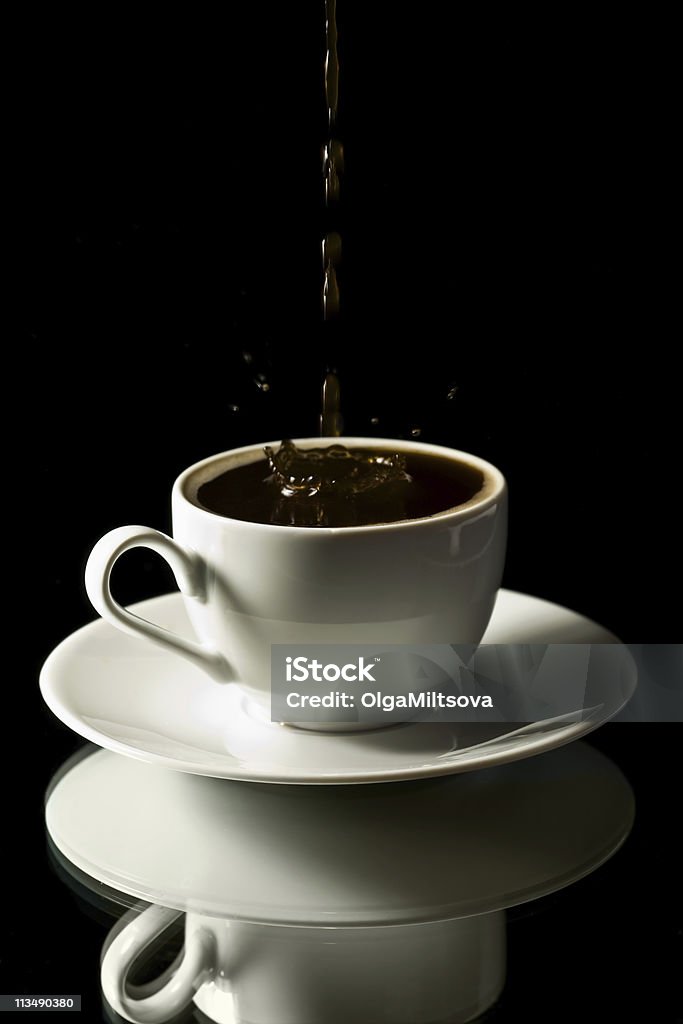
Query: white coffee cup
{"type": "Point", "coordinates": [276, 974]}
{"type": "Point", "coordinates": [249, 585]}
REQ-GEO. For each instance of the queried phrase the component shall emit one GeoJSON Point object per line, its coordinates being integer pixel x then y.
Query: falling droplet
{"type": "Point", "coordinates": [452, 392]}
{"type": "Point", "coordinates": [233, 408]}
{"type": "Point", "coordinates": [248, 358]}
{"type": "Point", "coordinates": [332, 249]}
{"type": "Point", "coordinates": [333, 166]}
{"type": "Point", "coordinates": [374, 420]}
{"type": "Point", "coordinates": [261, 382]}
{"type": "Point", "coordinates": [330, 293]}
{"type": "Point", "coordinates": [416, 431]}
{"type": "Point", "coordinates": [330, 420]}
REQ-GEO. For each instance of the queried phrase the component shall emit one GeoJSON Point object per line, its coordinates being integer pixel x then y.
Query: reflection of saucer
{"type": "Point", "coordinates": [126, 694]}
{"type": "Point", "coordinates": [435, 849]}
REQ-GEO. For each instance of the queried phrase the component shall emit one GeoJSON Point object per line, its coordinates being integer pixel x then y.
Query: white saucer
{"type": "Point", "coordinates": [437, 849]}
{"type": "Point", "coordinates": [130, 696]}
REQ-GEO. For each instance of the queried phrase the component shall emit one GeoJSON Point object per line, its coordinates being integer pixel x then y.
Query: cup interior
{"type": "Point", "coordinates": [486, 482]}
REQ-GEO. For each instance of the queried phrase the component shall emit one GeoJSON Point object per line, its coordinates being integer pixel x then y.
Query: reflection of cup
{"type": "Point", "coordinates": [249, 585]}
{"type": "Point", "coordinates": [274, 974]}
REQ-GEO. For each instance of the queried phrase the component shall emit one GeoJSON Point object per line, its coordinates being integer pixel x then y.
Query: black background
{"type": "Point", "coordinates": [506, 220]}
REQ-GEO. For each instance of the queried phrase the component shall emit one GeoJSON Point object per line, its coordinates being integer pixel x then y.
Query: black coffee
{"type": "Point", "coordinates": [337, 486]}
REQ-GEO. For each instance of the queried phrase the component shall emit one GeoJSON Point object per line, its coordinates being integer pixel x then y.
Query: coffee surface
{"type": "Point", "coordinates": [337, 486]}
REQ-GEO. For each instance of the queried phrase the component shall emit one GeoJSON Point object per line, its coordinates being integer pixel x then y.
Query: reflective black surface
{"type": "Point", "coordinates": [505, 215]}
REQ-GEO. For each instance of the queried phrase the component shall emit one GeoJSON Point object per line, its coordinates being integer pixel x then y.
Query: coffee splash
{"type": "Point", "coordinates": [316, 472]}
{"type": "Point", "coordinates": [336, 486]}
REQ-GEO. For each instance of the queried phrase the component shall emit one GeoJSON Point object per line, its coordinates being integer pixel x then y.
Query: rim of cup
{"type": "Point", "coordinates": [493, 486]}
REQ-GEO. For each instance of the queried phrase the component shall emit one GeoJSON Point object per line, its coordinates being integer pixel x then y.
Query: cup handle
{"type": "Point", "coordinates": [195, 965]}
{"type": "Point", "coordinates": [189, 572]}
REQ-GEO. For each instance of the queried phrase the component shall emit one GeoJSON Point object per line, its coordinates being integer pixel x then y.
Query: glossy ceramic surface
{"type": "Point", "coordinates": [431, 850]}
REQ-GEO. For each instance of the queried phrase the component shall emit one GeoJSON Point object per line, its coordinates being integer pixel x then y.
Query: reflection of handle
{"type": "Point", "coordinates": [196, 965]}
{"type": "Point", "coordinates": [189, 573]}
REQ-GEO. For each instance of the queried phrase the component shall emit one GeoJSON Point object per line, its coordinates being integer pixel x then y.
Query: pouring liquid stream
{"type": "Point", "coordinates": [331, 424]}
